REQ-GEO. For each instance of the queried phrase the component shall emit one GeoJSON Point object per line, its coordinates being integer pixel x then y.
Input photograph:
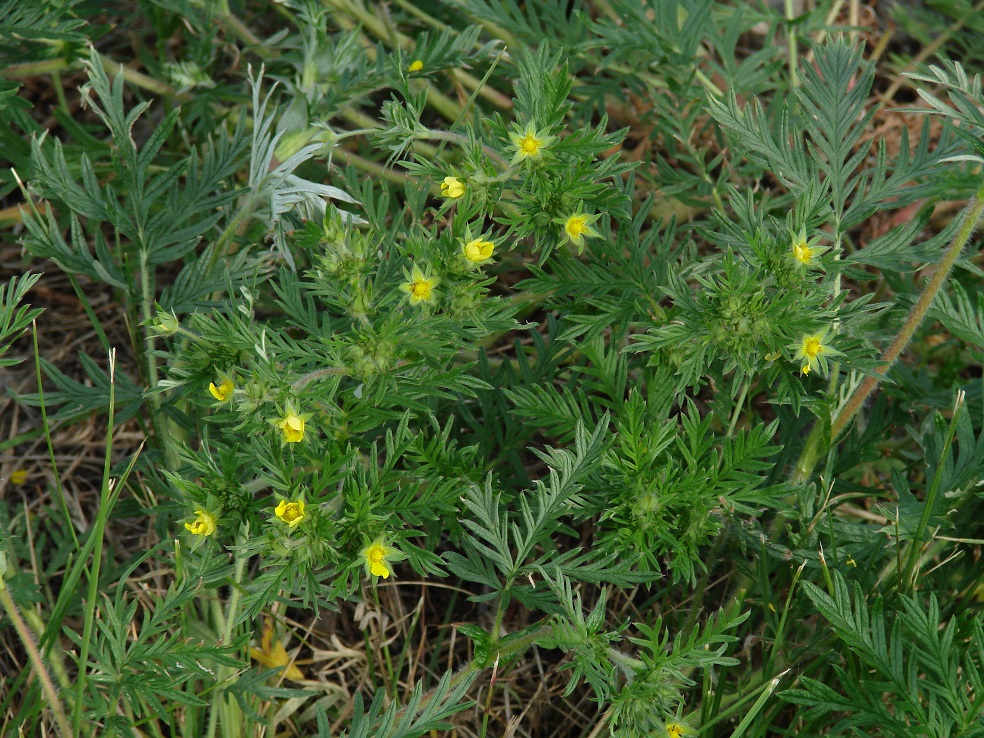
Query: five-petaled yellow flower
{"type": "Point", "coordinates": [223, 391]}
{"type": "Point", "coordinates": [478, 251]}
{"type": "Point", "coordinates": [202, 525]}
{"type": "Point", "coordinates": [529, 143]}
{"type": "Point", "coordinates": [419, 286]}
{"type": "Point", "coordinates": [577, 227]}
{"type": "Point", "coordinates": [802, 252]}
{"type": "Point", "coordinates": [416, 65]}
{"type": "Point", "coordinates": [452, 187]}
{"type": "Point", "coordinates": [19, 476]}
{"type": "Point", "coordinates": [293, 427]}
{"type": "Point", "coordinates": [813, 352]}
{"type": "Point", "coordinates": [291, 513]}
{"type": "Point", "coordinates": [377, 557]}
{"type": "Point", "coordinates": [675, 730]}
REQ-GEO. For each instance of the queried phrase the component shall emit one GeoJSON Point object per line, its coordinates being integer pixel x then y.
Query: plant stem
{"type": "Point", "coordinates": [225, 672]}
{"type": "Point", "coordinates": [166, 432]}
{"type": "Point", "coordinates": [813, 448]}
{"type": "Point", "coordinates": [32, 653]}
{"type": "Point", "coordinates": [931, 495]}
{"type": "Point", "coordinates": [790, 17]}
{"type": "Point", "coordinates": [98, 530]}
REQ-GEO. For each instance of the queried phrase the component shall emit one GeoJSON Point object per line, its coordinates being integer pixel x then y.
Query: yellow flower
{"type": "Point", "coordinates": [293, 427]}
{"type": "Point", "coordinates": [377, 556]}
{"type": "Point", "coordinates": [19, 476]}
{"type": "Point", "coordinates": [675, 730]}
{"type": "Point", "coordinates": [224, 391]}
{"type": "Point", "coordinates": [452, 187]}
{"type": "Point", "coordinates": [202, 525]}
{"type": "Point", "coordinates": [416, 65]}
{"type": "Point", "coordinates": [477, 250]}
{"type": "Point", "coordinates": [802, 252]}
{"type": "Point", "coordinates": [529, 143]}
{"type": "Point", "coordinates": [274, 655]}
{"type": "Point", "coordinates": [291, 513]}
{"type": "Point", "coordinates": [420, 287]}
{"type": "Point", "coordinates": [813, 352]}
{"type": "Point", "coordinates": [577, 227]}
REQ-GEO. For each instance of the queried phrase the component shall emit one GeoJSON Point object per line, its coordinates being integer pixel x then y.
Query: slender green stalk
{"type": "Point", "coordinates": [791, 33]}
{"type": "Point", "coordinates": [165, 431]}
{"type": "Point", "coordinates": [10, 607]}
{"type": "Point", "coordinates": [931, 495]}
{"type": "Point", "coordinates": [228, 624]}
{"type": "Point", "coordinates": [739, 404]}
{"type": "Point", "coordinates": [757, 707]}
{"type": "Point", "coordinates": [390, 680]}
{"type": "Point", "coordinates": [98, 530]}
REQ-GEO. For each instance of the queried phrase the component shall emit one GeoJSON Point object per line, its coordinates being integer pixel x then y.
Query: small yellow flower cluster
{"type": "Point", "coordinates": [292, 427]}
{"type": "Point", "coordinates": [273, 655]}
{"type": "Point", "coordinates": [802, 252]}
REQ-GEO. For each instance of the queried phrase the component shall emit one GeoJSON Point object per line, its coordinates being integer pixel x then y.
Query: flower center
{"type": "Point", "coordinates": [575, 226]}
{"type": "Point", "coordinates": [802, 252]}
{"type": "Point", "coordinates": [529, 144]}
{"type": "Point", "coordinates": [420, 288]}
{"type": "Point", "coordinates": [812, 347]}
{"type": "Point", "coordinates": [291, 512]}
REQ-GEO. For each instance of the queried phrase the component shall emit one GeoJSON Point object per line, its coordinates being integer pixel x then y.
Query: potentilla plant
{"type": "Point", "coordinates": [629, 441]}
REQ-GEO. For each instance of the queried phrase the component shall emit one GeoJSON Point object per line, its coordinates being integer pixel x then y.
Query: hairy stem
{"type": "Point", "coordinates": [813, 449]}
{"type": "Point", "coordinates": [10, 607]}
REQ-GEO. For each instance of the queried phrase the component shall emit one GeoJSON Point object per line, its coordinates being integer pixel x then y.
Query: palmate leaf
{"type": "Point", "coordinates": [557, 411]}
{"type": "Point", "coordinates": [527, 22]}
{"type": "Point", "coordinates": [585, 637]}
{"type": "Point", "coordinates": [449, 49]}
{"type": "Point", "coordinates": [749, 128]}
